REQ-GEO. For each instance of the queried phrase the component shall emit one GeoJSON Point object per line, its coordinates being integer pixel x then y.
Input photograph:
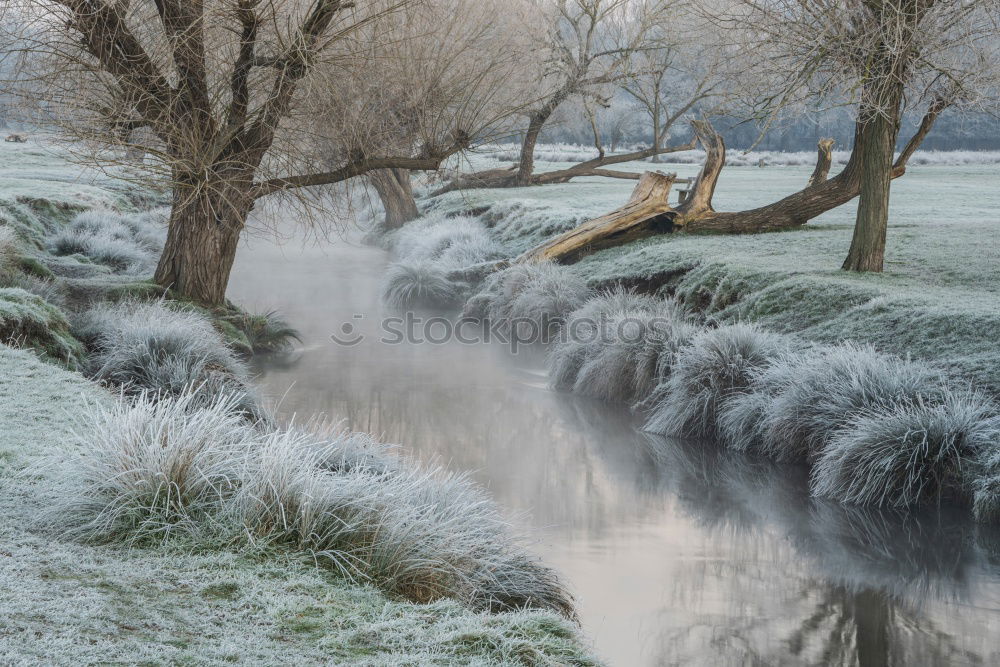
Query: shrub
{"type": "Point", "coordinates": [583, 336]}
{"type": "Point", "coordinates": [159, 468]}
{"type": "Point", "coordinates": [420, 284]}
{"type": "Point", "coordinates": [27, 320]}
{"type": "Point", "coordinates": [265, 332]}
{"type": "Point", "coordinates": [718, 364]}
{"type": "Point", "coordinates": [146, 347]}
{"type": "Point", "coordinates": [152, 469]}
{"type": "Point", "coordinates": [908, 453]}
{"type": "Point", "coordinates": [638, 349]}
{"type": "Point", "coordinates": [809, 396]}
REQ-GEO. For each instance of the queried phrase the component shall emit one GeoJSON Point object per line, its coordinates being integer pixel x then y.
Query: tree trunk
{"type": "Point", "coordinates": [656, 122]}
{"type": "Point", "coordinates": [642, 215]}
{"type": "Point", "coordinates": [396, 193]}
{"type": "Point", "coordinates": [203, 233]}
{"type": "Point", "coordinates": [875, 154]}
{"type": "Point", "coordinates": [824, 160]}
{"type": "Point", "coordinates": [697, 216]}
{"type": "Point", "coordinates": [526, 167]}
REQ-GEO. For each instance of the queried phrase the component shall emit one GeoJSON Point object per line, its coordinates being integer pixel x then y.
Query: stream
{"type": "Point", "coordinates": [677, 553]}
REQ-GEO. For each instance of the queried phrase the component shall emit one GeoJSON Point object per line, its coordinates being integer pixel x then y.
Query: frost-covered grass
{"type": "Point", "coordinates": [716, 366]}
{"type": "Point", "coordinates": [565, 153]}
{"type": "Point", "coordinates": [548, 152]}
{"type": "Point", "coordinates": [180, 603]}
{"type": "Point", "coordinates": [8, 253]}
{"type": "Point", "coordinates": [419, 284]}
{"type": "Point", "coordinates": [539, 294]}
{"type": "Point", "coordinates": [141, 347]}
{"type": "Point", "coordinates": [427, 251]}
{"type": "Point", "coordinates": [619, 345]}
{"type": "Point", "coordinates": [127, 244]}
{"type": "Point", "coordinates": [877, 430]}
{"type": "Point", "coordinates": [157, 470]}
{"type": "Point", "coordinates": [910, 452]}
{"type": "Point", "coordinates": [799, 401]}
{"type": "Point", "coordinates": [27, 320]}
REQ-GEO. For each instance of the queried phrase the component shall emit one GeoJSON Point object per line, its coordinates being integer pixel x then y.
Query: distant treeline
{"type": "Point", "coordinates": [953, 131]}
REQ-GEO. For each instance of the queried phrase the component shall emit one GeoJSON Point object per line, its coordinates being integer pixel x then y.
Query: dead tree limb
{"type": "Point", "coordinates": [824, 160]}
{"type": "Point", "coordinates": [648, 212]}
{"type": "Point", "coordinates": [508, 178]}
{"type": "Point", "coordinates": [638, 218]}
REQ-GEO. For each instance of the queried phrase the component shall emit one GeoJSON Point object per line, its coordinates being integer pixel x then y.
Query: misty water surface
{"type": "Point", "coordinates": [676, 552]}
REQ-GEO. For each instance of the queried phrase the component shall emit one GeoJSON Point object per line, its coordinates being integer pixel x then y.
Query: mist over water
{"type": "Point", "coordinates": [690, 556]}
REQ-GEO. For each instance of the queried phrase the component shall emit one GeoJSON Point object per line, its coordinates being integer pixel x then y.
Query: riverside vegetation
{"type": "Point", "coordinates": [143, 471]}
{"type": "Point", "coordinates": [884, 386]}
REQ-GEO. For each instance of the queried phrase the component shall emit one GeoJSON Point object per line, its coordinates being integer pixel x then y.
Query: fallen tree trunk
{"type": "Point", "coordinates": [696, 214]}
{"type": "Point", "coordinates": [641, 216]}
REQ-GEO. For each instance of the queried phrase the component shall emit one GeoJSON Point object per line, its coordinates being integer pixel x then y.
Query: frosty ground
{"type": "Point", "coordinates": [84, 578]}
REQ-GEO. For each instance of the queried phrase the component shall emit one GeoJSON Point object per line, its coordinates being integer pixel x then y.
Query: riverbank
{"type": "Point", "coordinates": [937, 300]}
{"type": "Point", "coordinates": [677, 551]}
{"type": "Point", "coordinates": [883, 385]}
{"type": "Point", "coordinates": [66, 602]}
{"type": "Point", "coordinates": [160, 571]}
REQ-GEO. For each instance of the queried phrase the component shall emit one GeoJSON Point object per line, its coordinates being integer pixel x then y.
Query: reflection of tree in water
{"type": "Point", "coordinates": [868, 584]}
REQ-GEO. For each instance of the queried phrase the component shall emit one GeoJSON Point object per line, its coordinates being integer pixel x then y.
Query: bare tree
{"type": "Point", "coordinates": [427, 68]}
{"type": "Point", "coordinates": [672, 77]}
{"type": "Point", "coordinates": [884, 56]}
{"type": "Point", "coordinates": [583, 49]}
{"type": "Point", "coordinates": [227, 89]}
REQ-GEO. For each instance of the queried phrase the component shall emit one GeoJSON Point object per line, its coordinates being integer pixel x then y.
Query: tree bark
{"type": "Point", "coordinates": [641, 216]}
{"type": "Point", "coordinates": [526, 167]}
{"type": "Point", "coordinates": [881, 129]}
{"type": "Point", "coordinates": [206, 221]}
{"type": "Point", "coordinates": [396, 193]}
{"type": "Point", "coordinates": [824, 160]}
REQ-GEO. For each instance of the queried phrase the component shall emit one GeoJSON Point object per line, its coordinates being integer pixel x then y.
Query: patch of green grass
{"type": "Point", "coordinates": [28, 321]}
{"type": "Point", "coordinates": [33, 267]}
{"type": "Point", "coordinates": [225, 590]}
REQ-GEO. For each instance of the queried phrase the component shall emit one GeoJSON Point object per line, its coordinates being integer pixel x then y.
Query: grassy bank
{"type": "Point", "coordinates": [938, 299]}
{"type": "Point", "coordinates": [144, 523]}
{"type": "Point", "coordinates": [882, 385]}
{"type": "Point", "coordinates": [67, 602]}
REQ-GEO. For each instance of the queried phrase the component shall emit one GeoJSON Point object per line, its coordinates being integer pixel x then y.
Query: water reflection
{"type": "Point", "coordinates": [678, 552]}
